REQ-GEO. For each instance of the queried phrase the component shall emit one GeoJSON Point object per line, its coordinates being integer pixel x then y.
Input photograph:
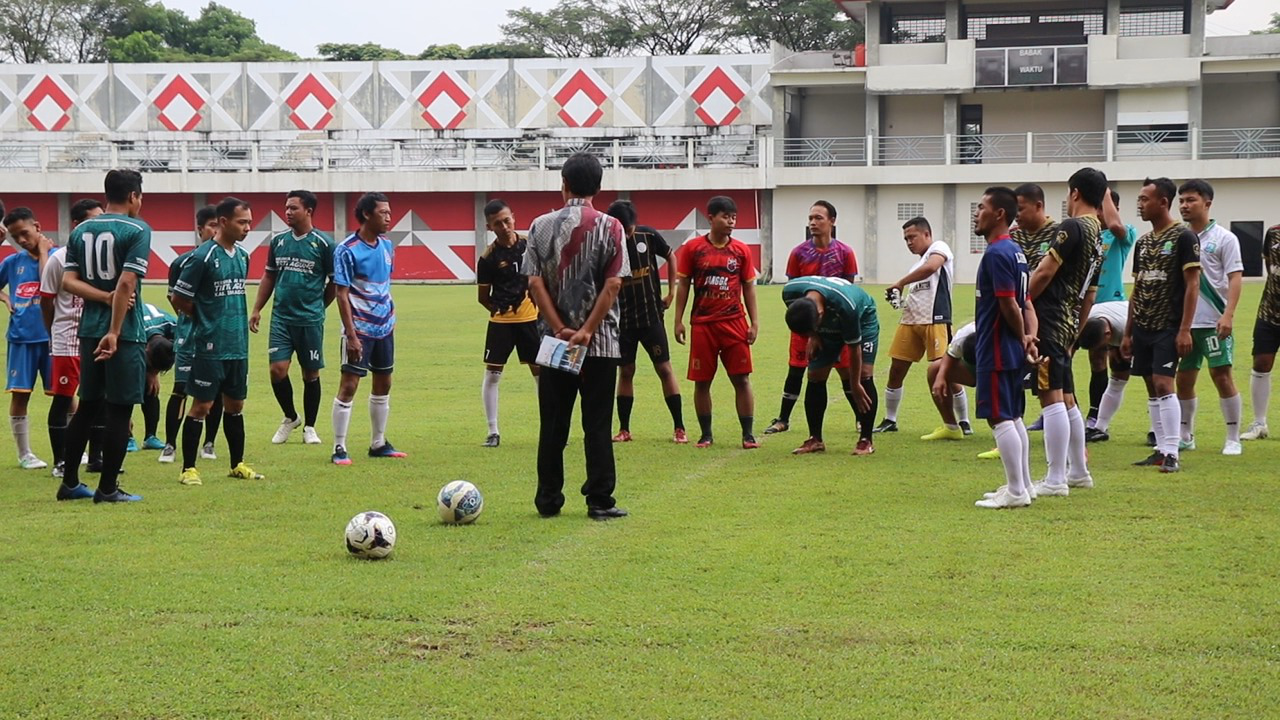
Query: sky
{"type": "Point", "coordinates": [412, 25]}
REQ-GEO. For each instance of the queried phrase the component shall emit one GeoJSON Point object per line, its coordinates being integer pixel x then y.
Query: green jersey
{"type": "Point", "coordinates": [99, 251]}
{"type": "Point", "coordinates": [302, 266]}
{"type": "Point", "coordinates": [183, 330]}
{"type": "Point", "coordinates": [213, 279]}
{"type": "Point", "coordinates": [849, 314]}
{"type": "Point", "coordinates": [158, 322]}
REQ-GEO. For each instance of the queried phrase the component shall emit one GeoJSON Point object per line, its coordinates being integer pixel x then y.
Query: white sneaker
{"type": "Point", "coordinates": [84, 459]}
{"type": "Point", "coordinates": [310, 437]}
{"type": "Point", "coordinates": [1085, 482]}
{"type": "Point", "coordinates": [207, 452]}
{"type": "Point", "coordinates": [1256, 431]}
{"type": "Point", "coordinates": [286, 428]}
{"type": "Point", "coordinates": [1045, 489]}
{"type": "Point", "coordinates": [1187, 445]}
{"type": "Point", "coordinates": [1004, 500]}
{"type": "Point", "coordinates": [1232, 448]}
{"type": "Point", "coordinates": [58, 469]}
{"type": "Point", "coordinates": [31, 462]}
{"type": "Point", "coordinates": [1031, 492]}
{"type": "Point", "coordinates": [168, 454]}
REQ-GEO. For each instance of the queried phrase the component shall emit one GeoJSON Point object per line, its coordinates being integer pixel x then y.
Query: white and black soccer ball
{"type": "Point", "coordinates": [371, 535]}
{"type": "Point", "coordinates": [459, 502]}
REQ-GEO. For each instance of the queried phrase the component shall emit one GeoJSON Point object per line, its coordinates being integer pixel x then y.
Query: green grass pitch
{"type": "Point", "coordinates": [744, 584]}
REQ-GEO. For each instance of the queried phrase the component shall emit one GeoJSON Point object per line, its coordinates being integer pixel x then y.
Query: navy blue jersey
{"type": "Point", "coordinates": [1001, 274]}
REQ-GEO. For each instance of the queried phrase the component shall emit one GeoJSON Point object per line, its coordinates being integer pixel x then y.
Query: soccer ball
{"type": "Point", "coordinates": [371, 535]}
{"type": "Point", "coordinates": [459, 502]}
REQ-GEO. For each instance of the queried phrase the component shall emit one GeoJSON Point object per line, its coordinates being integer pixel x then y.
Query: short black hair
{"type": "Point", "coordinates": [159, 354]}
{"type": "Point", "coordinates": [1115, 198]}
{"type": "Point", "coordinates": [582, 174]}
{"type": "Point", "coordinates": [205, 214]}
{"type": "Point", "coordinates": [81, 208]}
{"type": "Point", "coordinates": [1091, 183]}
{"type": "Point", "coordinates": [722, 204]}
{"type": "Point", "coordinates": [367, 204]}
{"type": "Point", "coordinates": [1002, 198]}
{"type": "Point", "coordinates": [969, 349]}
{"type": "Point", "coordinates": [919, 222]}
{"type": "Point", "coordinates": [1164, 186]}
{"type": "Point", "coordinates": [493, 207]}
{"type": "Point", "coordinates": [229, 205]}
{"type": "Point", "coordinates": [1198, 186]}
{"type": "Point", "coordinates": [1030, 191]}
{"type": "Point", "coordinates": [831, 209]}
{"type": "Point", "coordinates": [307, 197]}
{"type": "Point", "coordinates": [19, 213]}
{"type": "Point", "coordinates": [120, 184]}
{"type": "Point", "coordinates": [1092, 332]}
{"type": "Point", "coordinates": [802, 316]}
{"type": "Point", "coordinates": [625, 212]}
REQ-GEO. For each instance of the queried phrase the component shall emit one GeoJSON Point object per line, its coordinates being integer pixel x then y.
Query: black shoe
{"type": "Point", "coordinates": [1155, 459]}
{"type": "Point", "coordinates": [119, 496]}
{"type": "Point", "coordinates": [79, 492]}
{"type": "Point", "coordinates": [548, 513]}
{"type": "Point", "coordinates": [492, 441]}
{"type": "Point", "coordinates": [1096, 435]}
{"type": "Point", "coordinates": [886, 426]}
{"type": "Point", "coordinates": [966, 427]}
{"type": "Point", "coordinates": [605, 513]}
{"type": "Point", "coordinates": [1170, 464]}
{"type": "Point", "coordinates": [94, 466]}
{"type": "Point", "coordinates": [1151, 439]}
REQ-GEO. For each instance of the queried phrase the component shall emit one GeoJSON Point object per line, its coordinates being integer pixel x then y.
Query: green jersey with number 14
{"type": "Point", "coordinates": [99, 251]}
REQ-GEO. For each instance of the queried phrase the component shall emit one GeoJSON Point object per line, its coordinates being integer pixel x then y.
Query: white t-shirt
{"type": "Point", "coordinates": [956, 348]}
{"type": "Point", "coordinates": [1219, 256]}
{"type": "Point", "coordinates": [1117, 316]}
{"type": "Point", "coordinates": [929, 300]}
{"type": "Point", "coordinates": [63, 338]}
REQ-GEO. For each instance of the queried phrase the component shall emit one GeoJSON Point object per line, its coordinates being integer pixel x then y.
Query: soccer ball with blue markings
{"type": "Point", "coordinates": [371, 535]}
{"type": "Point", "coordinates": [459, 502]}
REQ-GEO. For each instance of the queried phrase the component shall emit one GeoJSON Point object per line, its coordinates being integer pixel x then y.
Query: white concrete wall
{"type": "Point", "coordinates": [1017, 111]}
{"type": "Point", "coordinates": [791, 215]}
{"type": "Point", "coordinates": [1145, 106]}
{"type": "Point", "coordinates": [911, 115]}
{"type": "Point", "coordinates": [1153, 46]}
{"type": "Point", "coordinates": [1253, 103]}
{"type": "Point", "coordinates": [952, 73]}
{"type": "Point", "coordinates": [1109, 69]}
{"type": "Point", "coordinates": [833, 113]}
{"type": "Point", "coordinates": [893, 260]}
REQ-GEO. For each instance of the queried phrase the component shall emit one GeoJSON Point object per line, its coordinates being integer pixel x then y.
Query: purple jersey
{"type": "Point", "coordinates": [836, 260]}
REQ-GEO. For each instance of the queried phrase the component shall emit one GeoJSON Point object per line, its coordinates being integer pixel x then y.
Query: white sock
{"type": "Point", "coordinates": [1057, 435]}
{"type": "Point", "coordinates": [1260, 390]}
{"type": "Point", "coordinates": [892, 399]}
{"type": "Point", "coordinates": [1170, 421]}
{"type": "Point", "coordinates": [1077, 460]}
{"type": "Point", "coordinates": [21, 434]}
{"type": "Point", "coordinates": [489, 394]}
{"type": "Point", "coordinates": [1188, 421]}
{"type": "Point", "coordinates": [1110, 403]}
{"type": "Point", "coordinates": [1232, 409]}
{"type": "Point", "coordinates": [960, 406]}
{"type": "Point", "coordinates": [341, 421]}
{"type": "Point", "coordinates": [379, 409]}
{"type": "Point", "coordinates": [1026, 451]}
{"type": "Point", "coordinates": [1010, 445]}
{"type": "Point", "coordinates": [1157, 425]}
{"type": "Point", "coordinates": [536, 385]}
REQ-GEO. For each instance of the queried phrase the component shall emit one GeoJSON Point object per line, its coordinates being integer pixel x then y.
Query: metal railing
{"type": "Point", "coordinates": [1069, 147]}
{"type": "Point", "coordinates": [824, 152]}
{"type": "Point", "coordinates": [913, 150]}
{"type": "Point", "coordinates": [979, 149]}
{"type": "Point", "coordinates": [1240, 143]}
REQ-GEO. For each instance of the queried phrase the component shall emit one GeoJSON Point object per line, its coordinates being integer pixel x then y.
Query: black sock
{"type": "Point", "coordinates": [791, 392]}
{"type": "Point", "coordinates": [213, 421]}
{"type": "Point", "coordinates": [115, 439]}
{"type": "Point", "coordinates": [625, 402]}
{"type": "Point", "coordinates": [746, 421]}
{"type": "Point", "coordinates": [192, 429]}
{"type": "Point", "coordinates": [1098, 382]}
{"type": "Point", "coordinates": [867, 421]}
{"type": "Point", "coordinates": [310, 401]}
{"type": "Point", "coordinates": [173, 416]}
{"type": "Point", "coordinates": [815, 406]}
{"type": "Point", "coordinates": [704, 421]}
{"type": "Point", "coordinates": [150, 415]}
{"type": "Point", "coordinates": [57, 421]}
{"type": "Point", "coordinates": [233, 431]}
{"type": "Point", "coordinates": [96, 427]}
{"type": "Point", "coordinates": [677, 411]}
{"type": "Point", "coordinates": [76, 440]}
{"type": "Point", "coordinates": [284, 395]}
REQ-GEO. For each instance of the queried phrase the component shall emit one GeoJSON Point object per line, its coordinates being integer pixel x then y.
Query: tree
{"type": "Point", "coordinates": [352, 51]}
{"type": "Point", "coordinates": [1272, 28]}
{"type": "Point", "coordinates": [667, 27]}
{"type": "Point", "coordinates": [502, 51]}
{"type": "Point", "coordinates": [798, 25]}
{"type": "Point", "coordinates": [452, 51]}
{"type": "Point", "coordinates": [573, 28]}
{"type": "Point", "coordinates": [29, 29]}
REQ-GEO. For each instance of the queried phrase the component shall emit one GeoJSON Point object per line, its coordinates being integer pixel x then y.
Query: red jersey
{"type": "Point", "coordinates": [836, 260]}
{"type": "Point", "coordinates": [718, 274]}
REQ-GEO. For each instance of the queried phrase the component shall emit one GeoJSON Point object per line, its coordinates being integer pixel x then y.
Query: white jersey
{"type": "Point", "coordinates": [1219, 257]}
{"type": "Point", "coordinates": [1117, 316]}
{"type": "Point", "coordinates": [63, 336]}
{"type": "Point", "coordinates": [929, 301]}
{"type": "Point", "coordinates": [956, 348]}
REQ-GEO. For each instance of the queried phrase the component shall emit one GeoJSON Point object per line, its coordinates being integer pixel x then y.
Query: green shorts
{"type": "Point", "coordinates": [182, 367]}
{"type": "Point", "coordinates": [306, 340]}
{"type": "Point", "coordinates": [122, 380]}
{"type": "Point", "coordinates": [209, 378]}
{"type": "Point", "coordinates": [1205, 345]}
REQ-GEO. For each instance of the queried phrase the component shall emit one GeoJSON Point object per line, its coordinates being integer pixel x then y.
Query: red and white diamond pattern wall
{"type": "Point", "coordinates": [54, 98]}
{"type": "Point", "coordinates": [310, 97]}
{"type": "Point", "coordinates": [178, 98]}
{"type": "Point", "coordinates": [445, 95]}
{"type": "Point", "coordinates": [580, 93]}
{"type": "Point", "coordinates": [715, 91]}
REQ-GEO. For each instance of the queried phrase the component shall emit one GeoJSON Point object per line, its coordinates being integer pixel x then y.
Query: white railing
{"type": "Point", "coordinates": [1240, 143]}
{"type": "Point", "coordinates": [824, 152]}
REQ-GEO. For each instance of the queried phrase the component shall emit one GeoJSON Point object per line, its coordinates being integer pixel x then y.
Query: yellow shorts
{"type": "Point", "coordinates": [913, 342]}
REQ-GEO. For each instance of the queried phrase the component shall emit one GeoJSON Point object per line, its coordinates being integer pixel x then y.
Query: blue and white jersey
{"type": "Point", "coordinates": [366, 270]}
{"type": "Point", "coordinates": [20, 273]}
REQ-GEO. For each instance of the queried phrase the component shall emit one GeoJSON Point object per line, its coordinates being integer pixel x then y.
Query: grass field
{"type": "Point", "coordinates": [744, 585]}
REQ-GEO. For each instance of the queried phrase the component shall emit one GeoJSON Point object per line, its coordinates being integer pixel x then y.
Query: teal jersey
{"type": "Point", "coordinates": [850, 313]}
{"type": "Point", "coordinates": [183, 330]}
{"type": "Point", "coordinates": [213, 279]}
{"type": "Point", "coordinates": [158, 322]}
{"type": "Point", "coordinates": [99, 251]}
{"type": "Point", "coordinates": [302, 267]}
{"type": "Point", "coordinates": [1115, 253]}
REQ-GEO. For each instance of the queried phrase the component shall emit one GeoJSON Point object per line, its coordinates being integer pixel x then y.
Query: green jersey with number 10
{"type": "Point", "coordinates": [99, 251]}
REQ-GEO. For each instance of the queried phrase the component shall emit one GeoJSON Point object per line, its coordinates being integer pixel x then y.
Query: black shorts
{"type": "Point", "coordinates": [377, 356]}
{"type": "Point", "coordinates": [1054, 370]}
{"type": "Point", "coordinates": [1155, 352]}
{"type": "Point", "coordinates": [502, 338]}
{"type": "Point", "coordinates": [1266, 338]}
{"type": "Point", "coordinates": [654, 340]}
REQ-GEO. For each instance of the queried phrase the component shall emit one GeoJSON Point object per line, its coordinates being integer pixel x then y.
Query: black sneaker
{"type": "Point", "coordinates": [79, 492]}
{"type": "Point", "coordinates": [94, 466]}
{"type": "Point", "coordinates": [886, 426]}
{"type": "Point", "coordinates": [119, 496]}
{"type": "Point", "coordinates": [1096, 435]}
{"type": "Point", "coordinates": [1151, 439]}
{"type": "Point", "coordinates": [605, 513]}
{"type": "Point", "coordinates": [492, 441]}
{"type": "Point", "coordinates": [1155, 459]}
{"type": "Point", "coordinates": [1170, 464]}
{"type": "Point", "coordinates": [966, 427]}
{"type": "Point", "coordinates": [776, 426]}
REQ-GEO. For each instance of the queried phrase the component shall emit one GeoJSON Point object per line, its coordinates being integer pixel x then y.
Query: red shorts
{"type": "Point", "coordinates": [799, 356]}
{"type": "Point", "coordinates": [66, 375]}
{"type": "Point", "coordinates": [723, 340]}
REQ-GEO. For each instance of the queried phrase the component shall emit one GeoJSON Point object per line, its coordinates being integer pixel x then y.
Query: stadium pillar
{"type": "Point", "coordinates": [482, 232]}
{"type": "Point", "coordinates": [765, 209]}
{"type": "Point", "coordinates": [339, 216]}
{"type": "Point", "coordinates": [64, 219]}
{"type": "Point", "coordinates": [868, 264]}
{"type": "Point", "coordinates": [1113, 17]}
{"type": "Point", "coordinates": [950, 229]}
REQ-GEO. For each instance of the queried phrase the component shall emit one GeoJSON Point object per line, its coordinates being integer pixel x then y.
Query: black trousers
{"type": "Point", "coordinates": [557, 393]}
